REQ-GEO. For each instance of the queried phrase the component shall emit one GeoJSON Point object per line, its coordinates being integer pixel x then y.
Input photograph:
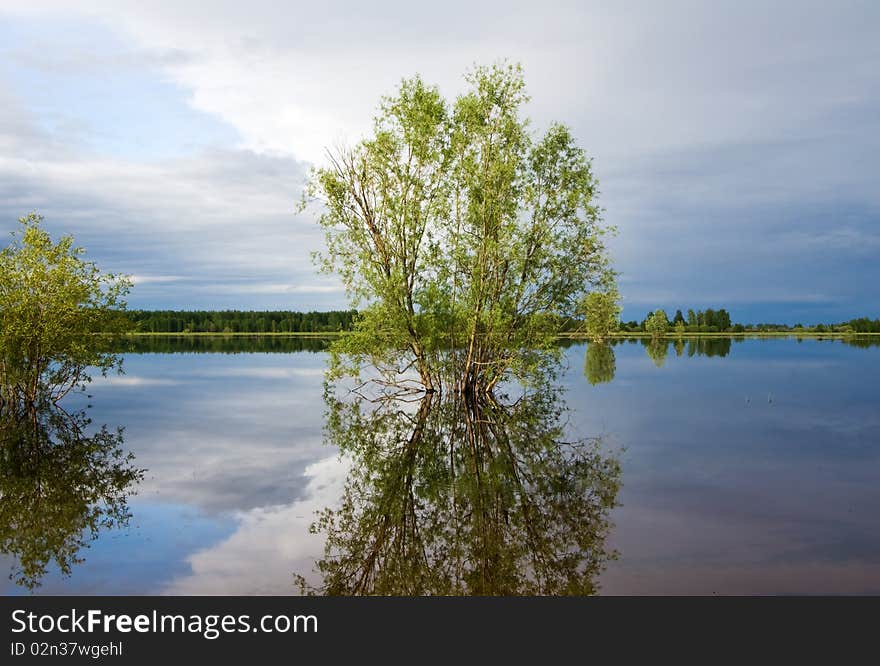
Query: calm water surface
{"type": "Point", "coordinates": [746, 467]}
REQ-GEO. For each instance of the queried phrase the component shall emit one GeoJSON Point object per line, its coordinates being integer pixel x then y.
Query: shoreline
{"type": "Point", "coordinates": [566, 336]}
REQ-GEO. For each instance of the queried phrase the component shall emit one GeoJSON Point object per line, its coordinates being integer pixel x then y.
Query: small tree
{"type": "Point", "coordinates": [601, 312]}
{"type": "Point", "coordinates": [657, 323]}
{"type": "Point", "coordinates": [53, 303]}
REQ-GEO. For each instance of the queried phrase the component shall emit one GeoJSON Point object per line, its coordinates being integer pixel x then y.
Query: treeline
{"type": "Point", "coordinates": [280, 321]}
{"type": "Point", "coordinates": [696, 321]}
{"type": "Point", "coordinates": [719, 321]}
{"type": "Point", "coordinates": [863, 325]}
{"type": "Point", "coordinates": [241, 321]}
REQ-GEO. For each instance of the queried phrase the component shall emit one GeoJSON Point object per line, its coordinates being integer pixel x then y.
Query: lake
{"type": "Point", "coordinates": [745, 467]}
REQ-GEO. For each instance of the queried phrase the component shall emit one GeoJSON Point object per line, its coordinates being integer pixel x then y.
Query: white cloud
{"type": "Point", "coordinates": [274, 288]}
{"type": "Point", "coordinates": [128, 380]}
{"type": "Point", "coordinates": [219, 223]}
{"type": "Point", "coordinates": [634, 78]}
{"type": "Point", "coordinates": [269, 546]}
{"type": "Point", "coordinates": [153, 279]}
{"type": "Point", "coordinates": [265, 373]}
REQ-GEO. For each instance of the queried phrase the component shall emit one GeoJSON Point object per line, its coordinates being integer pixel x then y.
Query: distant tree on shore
{"type": "Point", "coordinates": [657, 323]}
{"type": "Point", "coordinates": [601, 312]}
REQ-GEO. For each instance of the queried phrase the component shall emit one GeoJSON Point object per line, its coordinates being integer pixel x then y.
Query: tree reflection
{"type": "Point", "coordinates": [58, 487]}
{"type": "Point", "coordinates": [679, 346]}
{"type": "Point", "coordinates": [600, 363]}
{"type": "Point", "coordinates": [714, 346]}
{"type": "Point", "coordinates": [465, 493]}
{"type": "Point", "coordinates": [658, 349]}
{"type": "Point", "coordinates": [861, 341]}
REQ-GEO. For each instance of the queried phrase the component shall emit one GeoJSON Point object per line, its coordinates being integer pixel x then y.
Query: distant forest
{"type": "Point", "coordinates": [241, 321]}
{"type": "Point", "coordinates": [333, 321]}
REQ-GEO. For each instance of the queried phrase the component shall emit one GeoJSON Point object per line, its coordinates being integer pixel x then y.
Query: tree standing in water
{"type": "Point", "coordinates": [464, 239]}
{"type": "Point", "coordinates": [58, 315]}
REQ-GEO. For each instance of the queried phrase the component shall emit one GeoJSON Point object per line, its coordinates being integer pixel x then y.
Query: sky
{"type": "Point", "coordinates": [737, 144]}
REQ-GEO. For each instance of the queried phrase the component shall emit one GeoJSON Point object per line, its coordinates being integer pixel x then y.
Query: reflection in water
{"type": "Point", "coordinates": [599, 363]}
{"type": "Point", "coordinates": [863, 341]}
{"type": "Point", "coordinates": [222, 344]}
{"type": "Point", "coordinates": [59, 488]}
{"type": "Point", "coordinates": [706, 508]}
{"type": "Point", "coordinates": [460, 494]}
{"type": "Point", "coordinates": [282, 344]}
{"type": "Point", "coordinates": [709, 346]}
{"type": "Point", "coordinates": [679, 346]}
{"type": "Point", "coordinates": [658, 349]}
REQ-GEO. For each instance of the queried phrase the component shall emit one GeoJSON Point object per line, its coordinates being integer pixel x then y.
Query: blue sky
{"type": "Point", "coordinates": [736, 143]}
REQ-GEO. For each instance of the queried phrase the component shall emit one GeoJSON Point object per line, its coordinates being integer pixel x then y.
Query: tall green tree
{"type": "Point", "coordinates": [657, 323]}
{"type": "Point", "coordinates": [709, 318]}
{"type": "Point", "coordinates": [53, 303]}
{"type": "Point", "coordinates": [601, 314]}
{"type": "Point", "coordinates": [384, 203]}
{"type": "Point", "coordinates": [464, 238]}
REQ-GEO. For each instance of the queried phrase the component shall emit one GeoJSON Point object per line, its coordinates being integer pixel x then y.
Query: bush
{"type": "Point", "coordinates": [53, 303]}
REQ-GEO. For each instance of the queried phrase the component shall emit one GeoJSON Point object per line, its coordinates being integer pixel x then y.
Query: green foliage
{"type": "Point", "coordinates": [52, 304]}
{"type": "Point", "coordinates": [864, 325]}
{"type": "Point", "coordinates": [601, 312]}
{"type": "Point", "coordinates": [238, 321]}
{"type": "Point", "coordinates": [657, 323]}
{"type": "Point", "coordinates": [719, 321]}
{"type": "Point", "coordinates": [464, 239]}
